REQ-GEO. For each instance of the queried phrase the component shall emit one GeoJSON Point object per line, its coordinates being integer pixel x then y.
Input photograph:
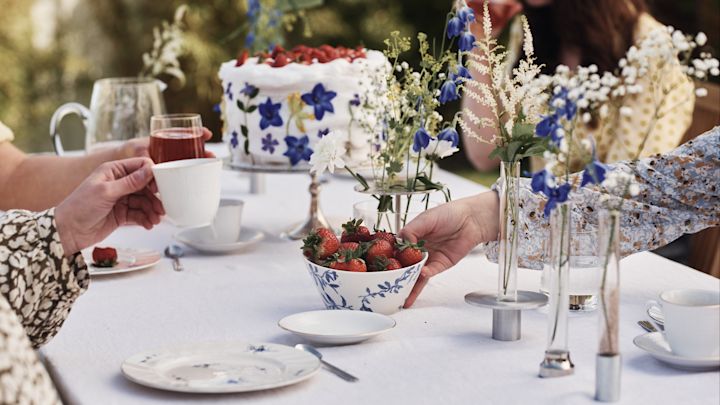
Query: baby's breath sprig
{"type": "Point", "coordinates": [167, 49]}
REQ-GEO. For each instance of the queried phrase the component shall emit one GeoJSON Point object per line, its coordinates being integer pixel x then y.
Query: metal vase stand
{"type": "Point", "coordinates": [507, 315]}
{"type": "Point", "coordinates": [315, 218]}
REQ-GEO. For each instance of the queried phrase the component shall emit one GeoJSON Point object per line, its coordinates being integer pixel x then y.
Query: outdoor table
{"type": "Point", "coordinates": [440, 352]}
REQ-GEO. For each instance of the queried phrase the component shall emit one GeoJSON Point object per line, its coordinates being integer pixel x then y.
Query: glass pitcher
{"type": "Point", "coordinates": [120, 109]}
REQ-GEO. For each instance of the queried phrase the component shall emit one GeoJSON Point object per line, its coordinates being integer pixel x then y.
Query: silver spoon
{"type": "Point", "coordinates": [338, 372]}
{"type": "Point", "coordinates": [175, 252]}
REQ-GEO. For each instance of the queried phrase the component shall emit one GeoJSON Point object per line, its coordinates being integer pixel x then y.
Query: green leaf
{"type": "Point", "coordinates": [384, 203]}
{"type": "Point", "coordinates": [247, 146]}
{"type": "Point", "coordinates": [240, 105]}
{"type": "Point", "coordinates": [251, 109]}
{"type": "Point", "coordinates": [244, 131]}
{"type": "Point", "coordinates": [520, 130]}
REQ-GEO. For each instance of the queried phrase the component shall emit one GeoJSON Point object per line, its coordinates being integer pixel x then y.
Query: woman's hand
{"type": "Point", "coordinates": [115, 194]}
{"type": "Point", "coordinates": [138, 147]}
{"type": "Point", "coordinates": [450, 231]}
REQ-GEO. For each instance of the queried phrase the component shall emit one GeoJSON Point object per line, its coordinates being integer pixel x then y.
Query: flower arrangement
{"type": "Point", "coordinates": [268, 20]}
{"type": "Point", "coordinates": [167, 49]}
{"type": "Point", "coordinates": [400, 107]}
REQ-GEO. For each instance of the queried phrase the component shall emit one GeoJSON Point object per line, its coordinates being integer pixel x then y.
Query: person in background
{"type": "Point", "coordinates": [583, 33]}
{"type": "Point", "coordinates": [679, 192]}
{"type": "Point", "coordinates": [42, 271]}
{"type": "Point", "coordinates": [41, 182]}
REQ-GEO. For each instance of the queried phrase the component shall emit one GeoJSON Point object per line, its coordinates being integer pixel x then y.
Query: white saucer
{"type": "Point", "coordinates": [654, 343]}
{"type": "Point", "coordinates": [202, 240]}
{"type": "Point", "coordinates": [221, 367]}
{"type": "Point", "coordinates": [128, 260]}
{"type": "Point", "coordinates": [337, 327]}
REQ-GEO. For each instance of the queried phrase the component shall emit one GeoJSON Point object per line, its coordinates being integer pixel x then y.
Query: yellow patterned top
{"type": "Point", "coordinates": [5, 133]}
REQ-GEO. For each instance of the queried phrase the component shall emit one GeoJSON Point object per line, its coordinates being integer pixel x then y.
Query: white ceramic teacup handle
{"type": "Point", "coordinates": [653, 305]}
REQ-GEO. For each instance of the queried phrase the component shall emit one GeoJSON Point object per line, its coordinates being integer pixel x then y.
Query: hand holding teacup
{"type": "Point", "coordinates": [692, 321]}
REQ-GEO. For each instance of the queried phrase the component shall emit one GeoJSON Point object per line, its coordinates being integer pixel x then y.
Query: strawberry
{"type": "Point", "coordinates": [357, 265]}
{"type": "Point", "coordinates": [242, 58]}
{"type": "Point", "coordinates": [352, 247]}
{"type": "Point", "coordinates": [379, 248]}
{"type": "Point", "coordinates": [383, 264]}
{"type": "Point", "coordinates": [320, 244]}
{"type": "Point", "coordinates": [390, 237]}
{"type": "Point", "coordinates": [104, 257]}
{"type": "Point", "coordinates": [353, 231]}
{"type": "Point", "coordinates": [280, 60]}
{"type": "Point", "coordinates": [409, 253]}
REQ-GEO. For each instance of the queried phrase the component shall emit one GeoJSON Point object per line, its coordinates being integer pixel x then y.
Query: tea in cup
{"type": "Point", "coordinates": [189, 190]}
{"type": "Point", "coordinates": [176, 137]}
{"type": "Point", "coordinates": [692, 321]}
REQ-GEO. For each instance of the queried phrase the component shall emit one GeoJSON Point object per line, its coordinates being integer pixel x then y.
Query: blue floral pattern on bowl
{"type": "Point", "coordinates": [383, 292]}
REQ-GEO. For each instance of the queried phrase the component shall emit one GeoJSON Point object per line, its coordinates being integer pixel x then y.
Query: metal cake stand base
{"type": "Point", "coordinates": [507, 315]}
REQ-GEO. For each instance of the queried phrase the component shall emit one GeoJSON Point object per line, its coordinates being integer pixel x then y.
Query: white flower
{"type": "Point", "coordinates": [437, 149]}
{"type": "Point", "coordinates": [626, 111]}
{"type": "Point", "coordinates": [701, 92]}
{"type": "Point", "coordinates": [586, 117]}
{"type": "Point", "coordinates": [701, 39]}
{"type": "Point", "coordinates": [405, 65]}
{"type": "Point", "coordinates": [328, 154]}
{"type": "Point", "coordinates": [634, 189]}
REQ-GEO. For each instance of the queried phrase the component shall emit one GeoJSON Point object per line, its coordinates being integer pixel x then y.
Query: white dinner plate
{"type": "Point", "coordinates": [337, 327]}
{"type": "Point", "coordinates": [128, 260]}
{"type": "Point", "coordinates": [201, 239]}
{"type": "Point", "coordinates": [655, 344]}
{"type": "Point", "coordinates": [221, 367]}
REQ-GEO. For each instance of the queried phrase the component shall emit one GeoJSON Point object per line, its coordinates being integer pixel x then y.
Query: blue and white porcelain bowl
{"type": "Point", "coordinates": [378, 291]}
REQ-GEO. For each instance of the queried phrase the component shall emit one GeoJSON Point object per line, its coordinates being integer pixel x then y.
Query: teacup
{"type": "Point", "coordinates": [227, 224]}
{"type": "Point", "coordinates": [692, 321]}
{"type": "Point", "coordinates": [189, 190]}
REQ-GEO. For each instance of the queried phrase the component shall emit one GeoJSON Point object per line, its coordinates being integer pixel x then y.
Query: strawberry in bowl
{"type": "Point", "coordinates": [361, 270]}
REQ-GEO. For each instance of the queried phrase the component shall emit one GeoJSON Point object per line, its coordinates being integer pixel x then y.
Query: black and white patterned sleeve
{"type": "Point", "coordinates": [36, 279]}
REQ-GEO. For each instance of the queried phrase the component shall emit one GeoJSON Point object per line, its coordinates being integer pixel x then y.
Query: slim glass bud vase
{"type": "Point", "coordinates": [508, 237]}
{"type": "Point", "coordinates": [608, 363]}
{"type": "Point", "coordinates": [557, 356]}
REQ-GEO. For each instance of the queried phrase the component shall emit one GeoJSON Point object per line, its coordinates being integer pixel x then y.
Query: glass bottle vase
{"type": "Point", "coordinates": [608, 363]}
{"type": "Point", "coordinates": [508, 236]}
{"type": "Point", "coordinates": [557, 355]}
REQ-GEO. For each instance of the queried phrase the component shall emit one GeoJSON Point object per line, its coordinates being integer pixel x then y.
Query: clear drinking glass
{"type": "Point", "coordinates": [176, 137]}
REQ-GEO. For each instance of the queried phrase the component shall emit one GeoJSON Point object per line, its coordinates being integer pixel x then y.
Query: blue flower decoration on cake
{"type": "Point", "coordinates": [323, 132]}
{"type": "Point", "coordinates": [320, 100]}
{"type": "Point", "coordinates": [270, 114]}
{"type": "Point", "coordinates": [234, 139]}
{"type": "Point", "coordinates": [228, 91]}
{"type": "Point", "coordinates": [298, 149]}
{"type": "Point", "coordinates": [269, 144]}
{"type": "Point", "coordinates": [248, 90]}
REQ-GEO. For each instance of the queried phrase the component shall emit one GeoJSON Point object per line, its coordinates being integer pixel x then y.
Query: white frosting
{"type": "Point", "coordinates": [340, 76]}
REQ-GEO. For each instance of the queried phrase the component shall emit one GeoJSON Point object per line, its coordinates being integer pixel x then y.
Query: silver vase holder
{"type": "Point", "coordinates": [507, 315]}
{"type": "Point", "coordinates": [397, 196]}
{"type": "Point", "coordinates": [557, 363]}
{"type": "Point", "coordinates": [315, 218]}
{"type": "Point", "coordinates": [608, 370]}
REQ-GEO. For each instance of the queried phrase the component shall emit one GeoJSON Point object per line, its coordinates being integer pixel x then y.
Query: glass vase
{"type": "Point", "coordinates": [508, 237]}
{"type": "Point", "coordinates": [557, 355]}
{"type": "Point", "coordinates": [608, 364]}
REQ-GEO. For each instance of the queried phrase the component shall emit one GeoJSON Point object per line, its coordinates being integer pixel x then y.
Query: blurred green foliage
{"type": "Point", "coordinates": [53, 50]}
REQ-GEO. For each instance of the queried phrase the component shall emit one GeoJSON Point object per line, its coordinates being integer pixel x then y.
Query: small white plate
{"type": "Point", "coordinates": [128, 260]}
{"type": "Point", "coordinates": [337, 327]}
{"type": "Point", "coordinates": [655, 344]}
{"type": "Point", "coordinates": [221, 367]}
{"type": "Point", "coordinates": [202, 239]}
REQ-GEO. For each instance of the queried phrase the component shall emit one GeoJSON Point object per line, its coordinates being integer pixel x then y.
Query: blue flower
{"type": "Point", "coordinates": [539, 182]}
{"type": "Point", "coordinates": [568, 108]}
{"type": "Point", "coordinates": [421, 140]}
{"type": "Point", "coordinates": [248, 90]}
{"type": "Point", "coordinates": [234, 139]}
{"type": "Point", "coordinates": [466, 42]}
{"type": "Point", "coordinates": [323, 132]}
{"type": "Point", "coordinates": [228, 91]}
{"type": "Point", "coordinates": [466, 14]}
{"type": "Point", "coordinates": [355, 100]}
{"type": "Point", "coordinates": [448, 92]}
{"type": "Point", "coordinates": [320, 100]}
{"type": "Point", "coordinates": [253, 8]}
{"type": "Point", "coordinates": [461, 75]}
{"type": "Point", "coordinates": [557, 195]}
{"type": "Point", "coordinates": [270, 114]}
{"type": "Point", "coordinates": [269, 144]}
{"type": "Point", "coordinates": [454, 27]}
{"type": "Point", "coordinates": [449, 134]}
{"type": "Point", "coordinates": [550, 126]}
{"type": "Point", "coordinates": [297, 149]}
{"type": "Point", "coordinates": [217, 108]}
{"type": "Point", "coordinates": [249, 40]}
{"type": "Point", "coordinates": [594, 173]}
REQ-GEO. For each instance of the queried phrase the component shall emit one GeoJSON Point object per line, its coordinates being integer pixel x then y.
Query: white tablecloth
{"type": "Point", "coordinates": [440, 351]}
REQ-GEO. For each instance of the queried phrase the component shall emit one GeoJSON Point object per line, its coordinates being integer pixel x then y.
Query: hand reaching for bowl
{"type": "Point", "coordinates": [115, 194]}
{"type": "Point", "coordinates": [450, 231]}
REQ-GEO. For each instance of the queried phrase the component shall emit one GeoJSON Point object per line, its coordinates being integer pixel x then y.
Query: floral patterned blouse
{"type": "Point", "coordinates": [38, 285]}
{"type": "Point", "coordinates": [679, 193]}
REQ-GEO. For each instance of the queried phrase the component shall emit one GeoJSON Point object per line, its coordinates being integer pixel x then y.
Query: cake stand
{"type": "Point", "coordinates": [315, 218]}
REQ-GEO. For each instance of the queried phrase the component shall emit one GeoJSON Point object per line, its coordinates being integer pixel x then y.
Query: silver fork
{"type": "Point", "coordinates": [647, 326]}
